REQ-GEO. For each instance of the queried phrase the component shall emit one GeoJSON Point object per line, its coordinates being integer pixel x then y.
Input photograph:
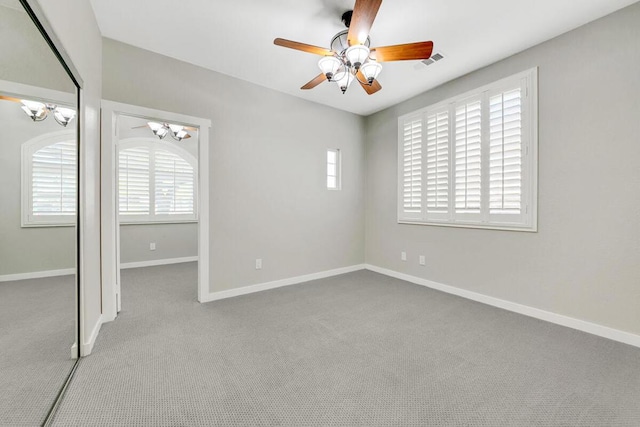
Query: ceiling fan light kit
{"type": "Point", "coordinates": [350, 56]}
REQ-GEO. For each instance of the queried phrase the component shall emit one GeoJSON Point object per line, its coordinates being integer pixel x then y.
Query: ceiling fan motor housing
{"type": "Point", "coordinates": [339, 42]}
{"type": "Point", "coordinates": [346, 18]}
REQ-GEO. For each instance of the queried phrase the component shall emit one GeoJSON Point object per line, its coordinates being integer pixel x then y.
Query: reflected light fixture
{"type": "Point", "coordinates": [38, 111]}
{"type": "Point", "coordinates": [161, 130]}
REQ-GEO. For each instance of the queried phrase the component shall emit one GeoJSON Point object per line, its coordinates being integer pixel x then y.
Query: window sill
{"type": "Point", "coordinates": [527, 229]}
{"type": "Point", "coordinates": [45, 225]}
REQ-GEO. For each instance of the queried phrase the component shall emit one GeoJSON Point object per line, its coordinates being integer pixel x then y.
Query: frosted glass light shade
{"type": "Point", "coordinates": [177, 132]}
{"type": "Point", "coordinates": [371, 70]}
{"type": "Point", "coordinates": [343, 79]}
{"type": "Point", "coordinates": [357, 55]}
{"type": "Point", "coordinates": [64, 115]}
{"type": "Point", "coordinates": [180, 135]}
{"type": "Point", "coordinates": [329, 66]}
{"type": "Point", "coordinates": [158, 129]}
{"type": "Point", "coordinates": [34, 109]}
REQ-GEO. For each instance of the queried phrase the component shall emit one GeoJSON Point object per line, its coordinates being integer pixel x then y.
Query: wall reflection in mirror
{"type": "Point", "coordinates": [38, 212]}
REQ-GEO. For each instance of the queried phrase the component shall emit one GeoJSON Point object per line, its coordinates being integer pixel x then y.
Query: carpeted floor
{"type": "Point", "coordinates": [37, 330]}
{"type": "Point", "coordinates": [359, 349]}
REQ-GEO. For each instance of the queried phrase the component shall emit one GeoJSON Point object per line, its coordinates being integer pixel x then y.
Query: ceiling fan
{"type": "Point", "coordinates": [350, 58]}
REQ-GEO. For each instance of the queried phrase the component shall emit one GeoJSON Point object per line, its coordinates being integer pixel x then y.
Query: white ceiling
{"type": "Point", "coordinates": [236, 37]}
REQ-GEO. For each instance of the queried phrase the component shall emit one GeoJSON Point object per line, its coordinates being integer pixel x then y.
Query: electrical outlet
{"type": "Point", "coordinates": [152, 246]}
{"type": "Point", "coordinates": [259, 264]}
{"type": "Point", "coordinates": [403, 256]}
{"type": "Point", "coordinates": [423, 260]}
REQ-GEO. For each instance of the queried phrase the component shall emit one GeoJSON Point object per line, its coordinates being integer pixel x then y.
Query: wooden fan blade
{"type": "Point", "coordinates": [370, 89]}
{"type": "Point", "coordinates": [403, 52]}
{"type": "Point", "coordinates": [364, 13]}
{"type": "Point", "coordinates": [303, 47]}
{"type": "Point", "coordinates": [315, 82]}
{"type": "Point", "coordinates": [9, 98]}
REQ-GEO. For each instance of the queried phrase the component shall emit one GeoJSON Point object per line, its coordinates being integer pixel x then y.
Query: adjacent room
{"type": "Point", "coordinates": [320, 213]}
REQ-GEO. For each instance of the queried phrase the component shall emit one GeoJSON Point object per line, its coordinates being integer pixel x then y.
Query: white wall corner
{"type": "Point", "coordinates": [230, 293]}
{"type": "Point", "coordinates": [558, 319]}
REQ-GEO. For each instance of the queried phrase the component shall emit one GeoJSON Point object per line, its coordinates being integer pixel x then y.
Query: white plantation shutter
{"type": "Point", "coordinates": [53, 181]}
{"type": "Point", "coordinates": [468, 157]}
{"type": "Point", "coordinates": [133, 181]}
{"type": "Point", "coordinates": [411, 158]}
{"type": "Point", "coordinates": [174, 184]}
{"type": "Point", "coordinates": [506, 153]}
{"type": "Point", "coordinates": [157, 182]}
{"type": "Point", "coordinates": [437, 167]}
{"type": "Point", "coordinates": [475, 157]}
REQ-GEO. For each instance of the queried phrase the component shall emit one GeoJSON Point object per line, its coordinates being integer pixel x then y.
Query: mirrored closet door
{"type": "Point", "coordinates": [38, 218]}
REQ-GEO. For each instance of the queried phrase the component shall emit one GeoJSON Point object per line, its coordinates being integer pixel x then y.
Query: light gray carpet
{"type": "Point", "coordinates": [359, 349]}
{"type": "Point", "coordinates": [37, 330]}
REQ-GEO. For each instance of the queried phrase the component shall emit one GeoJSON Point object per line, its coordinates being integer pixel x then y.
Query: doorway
{"type": "Point", "coordinates": [154, 195]}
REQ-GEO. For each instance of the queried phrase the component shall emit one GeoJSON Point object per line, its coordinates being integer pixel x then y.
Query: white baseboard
{"type": "Point", "coordinates": [214, 296]}
{"type": "Point", "coordinates": [37, 274]}
{"type": "Point", "coordinates": [559, 319]}
{"type": "Point", "coordinates": [87, 347]}
{"type": "Point", "coordinates": [155, 262]}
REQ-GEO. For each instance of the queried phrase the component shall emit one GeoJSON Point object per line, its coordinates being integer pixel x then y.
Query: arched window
{"type": "Point", "coordinates": [49, 177]}
{"type": "Point", "coordinates": [157, 182]}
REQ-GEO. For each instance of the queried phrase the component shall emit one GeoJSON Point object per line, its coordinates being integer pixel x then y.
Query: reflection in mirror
{"type": "Point", "coordinates": [38, 198]}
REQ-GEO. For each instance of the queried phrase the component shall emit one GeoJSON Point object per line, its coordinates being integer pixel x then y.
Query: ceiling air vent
{"type": "Point", "coordinates": [434, 58]}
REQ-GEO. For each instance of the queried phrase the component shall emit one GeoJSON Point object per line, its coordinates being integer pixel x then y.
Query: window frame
{"type": "Point", "coordinates": [28, 149]}
{"type": "Point", "coordinates": [338, 174]}
{"type": "Point", "coordinates": [152, 218]}
{"type": "Point", "coordinates": [528, 81]}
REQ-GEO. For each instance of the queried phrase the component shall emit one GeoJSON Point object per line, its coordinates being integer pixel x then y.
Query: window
{"type": "Point", "coordinates": [156, 182]}
{"type": "Point", "coordinates": [333, 169]}
{"type": "Point", "coordinates": [49, 176]}
{"type": "Point", "coordinates": [471, 161]}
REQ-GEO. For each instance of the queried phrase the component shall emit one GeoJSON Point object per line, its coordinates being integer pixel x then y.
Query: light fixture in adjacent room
{"type": "Point", "coordinates": [177, 132]}
{"type": "Point", "coordinates": [158, 129]}
{"type": "Point", "coordinates": [38, 111]}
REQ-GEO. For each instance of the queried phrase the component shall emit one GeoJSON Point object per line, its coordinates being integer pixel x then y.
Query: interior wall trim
{"type": "Point", "coordinates": [214, 296]}
{"type": "Point", "coordinates": [155, 262]}
{"type": "Point", "coordinates": [558, 319]}
{"type": "Point", "coordinates": [87, 346]}
{"type": "Point", "coordinates": [37, 274]}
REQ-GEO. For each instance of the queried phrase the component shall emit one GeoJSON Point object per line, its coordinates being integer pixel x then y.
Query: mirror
{"type": "Point", "coordinates": [38, 217]}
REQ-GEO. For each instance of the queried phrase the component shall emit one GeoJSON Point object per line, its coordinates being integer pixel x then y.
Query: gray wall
{"type": "Point", "coordinates": [28, 59]}
{"type": "Point", "coordinates": [26, 250]}
{"type": "Point", "coordinates": [172, 241]}
{"type": "Point", "coordinates": [584, 261]}
{"type": "Point", "coordinates": [268, 196]}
